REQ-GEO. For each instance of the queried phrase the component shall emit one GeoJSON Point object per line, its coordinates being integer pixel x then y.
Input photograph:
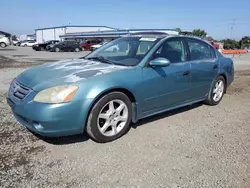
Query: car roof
{"type": "Point", "coordinates": [150, 34]}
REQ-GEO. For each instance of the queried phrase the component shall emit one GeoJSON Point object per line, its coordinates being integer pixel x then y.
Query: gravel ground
{"type": "Point", "coordinates": [195, 146]}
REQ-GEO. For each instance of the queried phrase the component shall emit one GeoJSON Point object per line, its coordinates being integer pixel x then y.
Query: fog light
{"type": "Point", "coordinates": [37, 125]}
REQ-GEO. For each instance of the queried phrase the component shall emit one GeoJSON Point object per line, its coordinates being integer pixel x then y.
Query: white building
{"type": "Point", "coordinates": [53, 33]}
{"type": "Point", "coordinates": [113, 34]}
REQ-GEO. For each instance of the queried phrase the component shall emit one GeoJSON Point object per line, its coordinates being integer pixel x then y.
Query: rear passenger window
{"type": "Point", "coordinates": [199, 50]}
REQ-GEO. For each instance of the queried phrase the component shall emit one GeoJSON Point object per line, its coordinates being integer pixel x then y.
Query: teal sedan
{"type": "Point", "coordinates": [103, 93]}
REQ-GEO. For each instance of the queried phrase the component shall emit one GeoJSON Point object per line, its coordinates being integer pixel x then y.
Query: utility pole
{"type": "Point", "coordinates": [232, 27]}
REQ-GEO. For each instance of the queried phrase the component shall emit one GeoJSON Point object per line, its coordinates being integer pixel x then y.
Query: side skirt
{"type": "Point", "coordinates": [135, 119]}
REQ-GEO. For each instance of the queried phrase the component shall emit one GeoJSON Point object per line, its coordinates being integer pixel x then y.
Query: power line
{"type": "Point", "coordinates": [232, 27]}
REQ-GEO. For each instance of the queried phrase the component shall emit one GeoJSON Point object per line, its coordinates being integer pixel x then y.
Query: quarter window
{"type": "Point", "coordinates": [199, 50]}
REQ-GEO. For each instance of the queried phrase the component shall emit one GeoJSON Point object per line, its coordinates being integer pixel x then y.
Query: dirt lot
{"type": "Point", "coordinates": [196, 146]}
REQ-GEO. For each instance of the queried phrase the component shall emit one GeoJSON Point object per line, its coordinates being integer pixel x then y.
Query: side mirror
{"type": "Point", "coordinates": [159, 62]}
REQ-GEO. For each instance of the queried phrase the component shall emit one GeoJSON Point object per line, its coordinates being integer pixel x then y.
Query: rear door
{"type": "Point", "coordinates": [204, 67]}
{"type": "Point", "coordinates": [67, 46]}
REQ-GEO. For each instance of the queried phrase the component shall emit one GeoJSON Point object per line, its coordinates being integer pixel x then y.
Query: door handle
{"type": "Point", "coordinates": [186, 73]}
{"type": "Point", "coordinates": [215, 67]}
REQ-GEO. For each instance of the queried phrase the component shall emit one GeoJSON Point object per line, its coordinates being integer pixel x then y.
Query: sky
{"type": "Point", "coordinates": [214, 16]}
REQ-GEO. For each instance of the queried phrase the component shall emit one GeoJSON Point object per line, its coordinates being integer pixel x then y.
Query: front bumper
{"type": "Point", "coordinates": [50, 120]}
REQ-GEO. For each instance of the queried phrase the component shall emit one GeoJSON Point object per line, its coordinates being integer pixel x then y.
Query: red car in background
{"type": "Point", "coordinates": [86, 45]}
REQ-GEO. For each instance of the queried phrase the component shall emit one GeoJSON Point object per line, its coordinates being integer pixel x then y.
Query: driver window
{"type": "Point", "coordinates": [173, 50]}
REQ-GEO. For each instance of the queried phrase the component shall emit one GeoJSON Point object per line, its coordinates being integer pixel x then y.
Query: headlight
{"type": "Point", "coordinates": [55, 95]}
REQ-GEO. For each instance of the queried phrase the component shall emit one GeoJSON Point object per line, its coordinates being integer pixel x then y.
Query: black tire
{"type": "Point", "coordinates": [3, 45]}
{"type": "Point", "coordinates": [210, 101]}
{"type": "Point", "coordinates": [42, 49]}
{"type": "Point", "coordinates": [77, 49]}
{"type": "Point", "coordinates": [114, 50]}
{"type": "Point", "coordinates": [25, 45]}
{"type": "Point", "coordinates": [92, 127]}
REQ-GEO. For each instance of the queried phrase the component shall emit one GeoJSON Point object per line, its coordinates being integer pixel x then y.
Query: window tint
{"type": "Point", "coordinates": [144, 47]}
{"type": "Point", "coordinates": [199, 50]}
{"type": "Point", "coordinates": [212, 52]}
{"type": "Point", "coordinates": [173, 50]}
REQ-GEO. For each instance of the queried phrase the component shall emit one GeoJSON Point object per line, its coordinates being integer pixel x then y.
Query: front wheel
{"type": "Point", "coordinates": [217, 91]}
{"type": "Point", "coordinates": [77, 49]}
{"type": "Point", "coordinates": [110, 117]}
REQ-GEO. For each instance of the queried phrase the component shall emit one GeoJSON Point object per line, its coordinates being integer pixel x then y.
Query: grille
{"type": "Point", "coordinates": [18, 91]}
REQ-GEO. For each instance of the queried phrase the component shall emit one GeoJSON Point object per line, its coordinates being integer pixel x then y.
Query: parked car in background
{"type": "Point", "coordinates": [96, 46]}
{"type": "Point", "coordinates": [86, 45]}
{"type": "Point", "coordinates": [66, 46]}
{"type": "Point", "coordinates": [28, 43]}
{"type": "Point", "coordinates": [18, 43]}
{"type": "Point", "coordinates": [4, 41]}
{"type": "Point", "coordinates": [103, 92]}
{"type": "Point", "coordinates": [114, 48]}
{"type": "Point", "coordinates": [44, 46]}
{"type": "Point", "coordinates": [48, 47]}
{"type": "Point", "coordinates": [14, 42]}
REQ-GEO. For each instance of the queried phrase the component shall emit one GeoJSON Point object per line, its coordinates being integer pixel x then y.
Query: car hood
{"type": "Point", "coordinates": [64, 72]}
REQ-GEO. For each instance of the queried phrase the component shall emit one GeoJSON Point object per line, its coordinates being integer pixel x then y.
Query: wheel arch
{"type": "Point", "coordinates": [224, 76]}
{"type": "Point", "coordinates": [125, 91]}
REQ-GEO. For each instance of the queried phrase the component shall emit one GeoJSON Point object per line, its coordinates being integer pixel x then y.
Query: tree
{"type": "Point", "coordinates": [245, 42]}
{"type": "Point", "coordinates": [178, 29]}
{"type": "Point", "coordinates": [199, 33]}
{"type": "Point", "coordinates": [231, 44]}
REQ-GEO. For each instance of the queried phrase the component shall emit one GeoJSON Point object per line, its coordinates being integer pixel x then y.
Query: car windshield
{"type": "Point", "coordinates": [126, 51]}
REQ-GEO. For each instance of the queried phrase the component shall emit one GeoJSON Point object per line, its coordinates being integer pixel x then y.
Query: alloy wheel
{"type": "Point", "coordinates": [218, 90]}
{"type": "Point", "coordinates": [112, 118]}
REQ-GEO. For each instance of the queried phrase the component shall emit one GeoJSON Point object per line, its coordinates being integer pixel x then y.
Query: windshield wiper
{"type": "Point", "coordinates": [101, 59]}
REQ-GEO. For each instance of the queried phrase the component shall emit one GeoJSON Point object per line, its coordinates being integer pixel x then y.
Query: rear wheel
{"type": "Point", "coordinates": [110, 117]}
{"type": "Point", "coordinates": [217, 91]}
{"type": "Point", "coordinates": [25, 45]}
{"type": "Point", "coordinates": [77, 49]}
{"type": "Point", "coordinates": [42, 49]}
{"type": "Point", "coordinates": [3, 45]}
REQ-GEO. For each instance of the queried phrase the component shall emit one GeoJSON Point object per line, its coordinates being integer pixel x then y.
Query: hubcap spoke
{"type": "Point", "coordinates": [114, 129]}
{"type": "Point", "coordinates": [120, 108]}
{"type": "Point", "coordinates": [104, 116]}
{"type": "Point", "coordinates": [105, 126]}
{"type": "Point", "coordinates": [122, 119]}
{"type": "Point", "coordinates": [215, 90]}
{"type": "Point", "coordinates": [111, 106]}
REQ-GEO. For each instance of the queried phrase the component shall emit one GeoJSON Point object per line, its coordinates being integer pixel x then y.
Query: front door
{"type": "Point", "coordinates": [165, 87]}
